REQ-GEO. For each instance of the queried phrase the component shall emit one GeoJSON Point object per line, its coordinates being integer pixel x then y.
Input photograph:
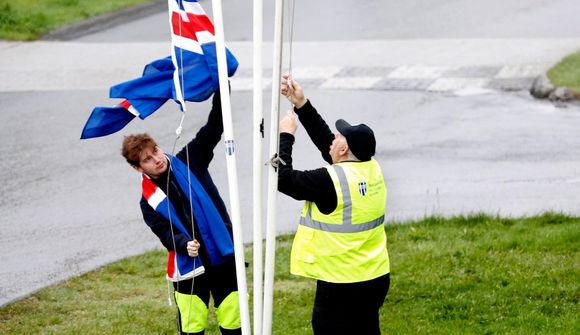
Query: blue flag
{"type": "Point", "coordinates": [189, 74]}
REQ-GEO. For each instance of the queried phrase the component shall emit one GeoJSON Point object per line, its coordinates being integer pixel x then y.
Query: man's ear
{"type": "Point", "coordinates": [138, 168]}
{"type": "Point", "coordinates": [344, 149]}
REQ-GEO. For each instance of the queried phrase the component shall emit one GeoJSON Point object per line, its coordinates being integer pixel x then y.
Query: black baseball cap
{"type": "Point", "coordinates": [360, 139]}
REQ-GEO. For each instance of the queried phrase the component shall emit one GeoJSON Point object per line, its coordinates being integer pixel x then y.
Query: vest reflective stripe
{"type": "Point", "coordinates": [346, 226]}
{"type": "Point", "coordinates": [349, 244]}
{"type": "Point", "coordinates": [339, 228]}
{"type": "Point", "coordinates": [346, 198]}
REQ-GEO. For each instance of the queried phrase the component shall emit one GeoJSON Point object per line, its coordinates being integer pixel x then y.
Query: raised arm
{"type": "Point", "coordinates": [312, 185]}
{"type": "Point", "coordinates": [202, 145]}
{"type": "Point", "coordinates": [315, 126]}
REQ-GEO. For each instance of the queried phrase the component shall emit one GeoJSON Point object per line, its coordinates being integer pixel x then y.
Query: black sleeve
{"type": "Point", "coordinates": [317, 129]}
{"type": "Point", "coordinates": [312, 185]}
{"type": "Point", "coordinates": [161, 228]}
{"type": "Point", "coordinates": [201, 148]}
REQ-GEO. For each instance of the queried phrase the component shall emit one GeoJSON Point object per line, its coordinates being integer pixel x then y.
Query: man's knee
{"type": "Point", "coordinates": [192, 313]}
{"type": "Point", "coordinates": [228, 312]}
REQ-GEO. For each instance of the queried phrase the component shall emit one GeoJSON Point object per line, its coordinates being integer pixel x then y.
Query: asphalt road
{"type": "Point", "coordinates": [431, 77]}
{"type": "Point", "coordinates": [346, 20]}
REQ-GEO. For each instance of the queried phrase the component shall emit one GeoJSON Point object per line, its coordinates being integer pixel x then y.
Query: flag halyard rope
{"type": "Point", "coordinates": [291, 8]}
{"type": "Point", "coordinates": [178, 131]}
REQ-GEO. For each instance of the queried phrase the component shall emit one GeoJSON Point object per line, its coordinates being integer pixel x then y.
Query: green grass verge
{"type": "Point", "coordinates": [567, 72]}
{"type": "Point", "coordinates": [29, 20]}
{"type": "Point", "coordinates": [464, 275]}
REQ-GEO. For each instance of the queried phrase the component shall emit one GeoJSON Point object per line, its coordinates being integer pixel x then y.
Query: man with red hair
{"type": "Point", "coordinates": [182, 206]}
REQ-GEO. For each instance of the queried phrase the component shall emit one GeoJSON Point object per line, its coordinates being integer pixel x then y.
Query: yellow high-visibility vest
{"type": "Point", "coordinates": [350, 244]}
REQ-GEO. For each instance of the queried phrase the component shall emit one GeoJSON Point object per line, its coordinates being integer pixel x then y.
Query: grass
{"type": "Point", "coordinates": [567, 72]}
{"type": "Point", "coordinates": [464, 275]}
{"type": "Point", "coordinates": [29, 20]}
{"type": "Point", "coordinates": [485, 275]}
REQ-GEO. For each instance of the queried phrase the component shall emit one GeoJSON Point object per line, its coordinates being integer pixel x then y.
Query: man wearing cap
{"type": "Point", "coordinates": [341, 240]}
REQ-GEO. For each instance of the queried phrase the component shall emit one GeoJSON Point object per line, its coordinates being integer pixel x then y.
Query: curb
{"type": "Point", "coordinates": [543, 88]}
{"type": "Point", "coordinates": [105, 21]}
{"type": "Point", "coordinates": [457, 80]}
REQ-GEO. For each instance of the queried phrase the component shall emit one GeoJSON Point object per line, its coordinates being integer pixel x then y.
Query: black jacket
{"type": "Point", "coordinates": [312, 185]}
{"type": "Point", "coordinates": [200, 151]}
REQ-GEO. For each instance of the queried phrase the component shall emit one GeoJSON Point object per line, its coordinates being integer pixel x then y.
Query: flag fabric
{"type": "Point", "coordinates": [193, 37]}
{"type": "Point", "coordinates": [107, 120]}
{"type": "Point", "coordinates": [189, 74]}
{"type": "Point", "coordinates": [179, 266]}
{"type": "Point", "coordinates": [214, 234]}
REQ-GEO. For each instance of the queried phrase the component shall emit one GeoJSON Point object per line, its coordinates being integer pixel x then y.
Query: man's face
{"type": "Point", "coordinates": [152, 162]}
{"type": "Point", "coordinates": [337, 148]}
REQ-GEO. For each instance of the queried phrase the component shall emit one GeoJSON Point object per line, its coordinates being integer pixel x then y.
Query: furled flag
{"type": "Point", "coordinates": [190, 74]}
{"type": "Point", "coordinates": [179, 266]}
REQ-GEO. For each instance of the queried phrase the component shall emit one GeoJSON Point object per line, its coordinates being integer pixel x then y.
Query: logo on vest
{"type": "Point", "coordinates": [362, 188]}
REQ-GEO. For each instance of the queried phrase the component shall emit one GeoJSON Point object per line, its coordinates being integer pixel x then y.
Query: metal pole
{"type": "Point", "coordinates": [231, 166]}
{"type": "Point", "coordinates": [273, 172]}
{"type": "Point", "coordinates": [258, 166]}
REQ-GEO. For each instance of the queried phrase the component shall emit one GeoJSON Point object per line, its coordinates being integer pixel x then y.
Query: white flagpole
{"type": "Point", "coordinates": [273, 172]}
{"type": "Point", "coordinates": [231, 165]}
{"type": "Point", "coordinates": [258, 165]}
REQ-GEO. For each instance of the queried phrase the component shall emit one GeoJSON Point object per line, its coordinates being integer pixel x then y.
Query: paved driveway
{"type": "Point", "coordinates": [440, 82]}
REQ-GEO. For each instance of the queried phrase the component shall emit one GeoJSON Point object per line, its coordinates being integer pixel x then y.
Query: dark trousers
{"type": "Point", "coordinates": [219, 281]}
{"type": "Point", "coordinates": [351, 308]}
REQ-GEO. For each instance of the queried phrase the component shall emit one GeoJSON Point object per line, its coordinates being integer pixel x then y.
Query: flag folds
{"type": "Point", "coordinates": [189, 74]}
{"type": "Point", "coordinates": [179, 266]}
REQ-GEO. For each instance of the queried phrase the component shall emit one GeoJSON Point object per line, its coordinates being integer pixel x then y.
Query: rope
{"type": "Point", "coordinates": [177, 136]}
{"type": "Point", "coordinates": [291, 7]}
{"type": "Point", "coordinates": [191, 216]}
{"type": "Point", "coordinates": [181, 72]}
{"type": "Point", "coordinates": [171, 221]}
{"type": "Point", "coordinates": [192, 227]}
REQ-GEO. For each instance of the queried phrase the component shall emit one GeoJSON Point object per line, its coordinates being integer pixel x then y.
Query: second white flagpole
{"type": "Point", "coordinates": [231, 166]}
{"type": "Point", "coordinates": [258, 137]}
{"type": "Point", "coordinates": [273, 172]}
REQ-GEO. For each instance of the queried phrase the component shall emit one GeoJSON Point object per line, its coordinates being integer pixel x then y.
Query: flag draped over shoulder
{"type": "Point", "coordinates": [189, 74]}
{"type": "Point", "coordinates": [214, 234]}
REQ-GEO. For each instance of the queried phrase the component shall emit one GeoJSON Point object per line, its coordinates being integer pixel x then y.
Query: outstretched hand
{"type": "Point", "coordinates": [292, 91]}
